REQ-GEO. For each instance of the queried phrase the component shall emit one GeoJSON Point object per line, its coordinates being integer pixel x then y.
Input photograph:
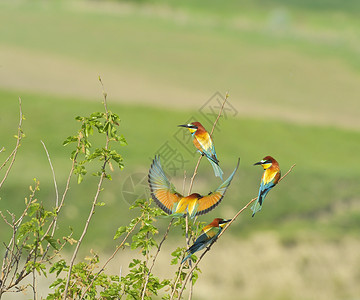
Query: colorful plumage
{"type": "Point", "coordinates": [204, 143]}
{"type": "Point", "coordinates": [170, 201]}
{"type": "Point", "coordinates": [209, 234]}
{"type": "Point", "coordinates": [269, 179]}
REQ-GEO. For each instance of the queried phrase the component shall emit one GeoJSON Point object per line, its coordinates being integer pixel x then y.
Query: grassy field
{"type": "Point", "coordinates": [292, 69]}
{"type": "Point", "coordinates": [314, 209]}
{"type": "Point", "coordinates": [179, 56]}
{"type": "Point", "coordinates": [322, 187]}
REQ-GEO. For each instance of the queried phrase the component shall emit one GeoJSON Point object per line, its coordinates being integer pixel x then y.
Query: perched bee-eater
{"type": "Point", "coordinates": [204, 143]}
{"type": "Point", "coordinates": [269, 179]}
{"type": "Point", "coordinates": [209, 234]}
{"type": "Point", "coordinates": [174, 204]}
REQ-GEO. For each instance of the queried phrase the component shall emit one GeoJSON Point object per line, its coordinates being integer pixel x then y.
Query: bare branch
{"type": "Point", "coordinates": [153, 262]}
{"type": "Point", "coordinates": [113, 255]}
{"type": "Point", "coordinates": [12, 156]}
{"type": "Point", "coordinates": [176, 281]}
{"type": "Point", "coordinates": [221, 233]}
{"type": "Point", "coordinates": [212, 130]}
{"type": "Point", "coordinates": [193, 177]}
{"type": "Point", "coordinates": [220, 112]}
{"type": "Point", "coordinates": [53, 174]}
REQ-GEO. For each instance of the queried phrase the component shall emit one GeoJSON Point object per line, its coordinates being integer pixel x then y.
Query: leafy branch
{"type": "Point", "coordinates": [104, 123]}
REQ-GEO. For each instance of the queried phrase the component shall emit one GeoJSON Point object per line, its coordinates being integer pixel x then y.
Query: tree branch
{"type": "Point", "coordinates": [221, 233]}
{"type": "Point", "coordinates": [12, 156]}
{"type": "Point", "coordinates": [153, 262]}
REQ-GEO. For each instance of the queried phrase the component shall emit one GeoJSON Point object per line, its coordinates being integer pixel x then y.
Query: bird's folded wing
{"type": "Point", "coordinates": [207, 145]}
{"type": "Point", "coordinates": [269, 176]}
{"type": "Point", "coordinates": [162, 191]}
{"type": "Point", "coordinates": [211, 231]}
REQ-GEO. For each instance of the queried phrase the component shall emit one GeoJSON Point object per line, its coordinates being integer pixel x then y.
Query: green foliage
{"type": "Point", "coordinates": [86, 281]}
{"type": "Point", "coordinates": [34, 233]}
{"type": "Point", "coordinates": [104, 123]}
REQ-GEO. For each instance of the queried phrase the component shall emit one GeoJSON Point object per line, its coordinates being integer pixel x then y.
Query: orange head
{"type": "Point", "coordinates": [194, 127]}
{"type": "Point", "coordinates": [219, 222]}
{"type": "Point", "coordinates": [267, 162]}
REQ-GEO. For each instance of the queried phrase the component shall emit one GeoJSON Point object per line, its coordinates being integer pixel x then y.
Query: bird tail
{"type": "Point", "coordinates": [217, 170]}
{"type": "Point", "coordinates": [186, 257]}
{"type": "Point", "coordinates": [257, 205]}
{"type": "Point", "coordinates": [194, 248]}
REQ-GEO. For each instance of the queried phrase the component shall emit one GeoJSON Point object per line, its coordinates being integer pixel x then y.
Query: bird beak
{"type": "Point", "coordinates": [188, 126]}
{"type": "Point", "coordinates": [225, 221]}
{"type": "Point", "coordinates": [258, 163]}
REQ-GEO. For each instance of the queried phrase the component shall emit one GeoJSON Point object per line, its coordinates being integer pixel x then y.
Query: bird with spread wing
{"type": "Point", "coordinates": [173, 203]}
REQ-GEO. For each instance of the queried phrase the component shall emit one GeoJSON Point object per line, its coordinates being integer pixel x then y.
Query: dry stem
{"type": "Point", "coordinates": [12, 156]}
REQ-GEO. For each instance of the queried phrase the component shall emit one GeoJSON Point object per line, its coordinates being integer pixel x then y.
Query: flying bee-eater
{"type": "Point", "coordinates": [208, 235]}
{"type": "Point", "coordinates": [164, 194]}
{"type": "Point", "coordinates": [269, 179]}
{"type": "Point", "coordinates": [204, 143]}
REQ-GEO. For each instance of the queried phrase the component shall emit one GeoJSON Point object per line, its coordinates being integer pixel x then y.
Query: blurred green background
{"type": "Point", "coordinates": [292, 69]}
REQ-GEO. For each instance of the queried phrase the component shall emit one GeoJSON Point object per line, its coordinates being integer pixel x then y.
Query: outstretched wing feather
{"type": "Point", "coordinates": [209, 202]}
{"type": "Point", "coordinates": [161, 189]}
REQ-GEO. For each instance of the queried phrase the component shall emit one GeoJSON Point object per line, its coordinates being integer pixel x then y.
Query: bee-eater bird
{"type": "Point", "coordinates": [164, 194]}
{"type": "Point", "coordinates": [208, 235]}
{"type": "Point", "coordinates": [269, 179]}
{"type": "Point", "coordinates": [204, 143]}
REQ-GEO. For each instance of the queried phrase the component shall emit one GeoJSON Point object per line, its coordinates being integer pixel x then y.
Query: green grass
{"type": "Point", "coordinates": [289, 67]}
{"type": "Point", "coordinates": [319, 195]}
{"type": "Point", "coordinates": [306, 69]}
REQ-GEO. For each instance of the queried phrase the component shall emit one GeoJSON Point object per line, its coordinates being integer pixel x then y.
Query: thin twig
{"type": "Point", "coordinates": [192, 182]}
{"type": "Point", "coordinates": [220, 112]}
{"type": "Point", "coordinates": [92, 210]}
{"type": "Point", "coordinates": [153, 262]}
{"type": "Point", "coordinates": [34, 269]}
{"type": "Point", "coordinates": [195, 173]}
{"type": "Point", "coordinates": [8, 263]}
{"type": "Point", "coordinates": [53, 175]}
{"type": "Point", "coordinates": [221, 233]}
{"type": "Point", "coordinates": [13, 153]}
{"type": "Point", "coordinates": [67, 187]}
{"type": "Point", "coordinates": [212, 130]}
{"type": "Point", "coordinates": [72, 261]}
{"type": "Point", "coordinates": [180, 267]}
{"type": "Point", "coordinates": [56, 197]}
{"type": "Point", "coordinates": [176, 281]}
{"type": "Point", "coordinates": [112, 256]}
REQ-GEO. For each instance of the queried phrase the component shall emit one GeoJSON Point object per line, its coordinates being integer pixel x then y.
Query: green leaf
{"type": "Point", "coordinates": [33, 208]}
{"type": "Point", "coordinates": [52, 242]}
{"type": "Point", "coordinates": [119, 232]}
{"type": "Point", "coordinates": [69, 139]}
{"type": "Point", "coordinates": [80, 178]}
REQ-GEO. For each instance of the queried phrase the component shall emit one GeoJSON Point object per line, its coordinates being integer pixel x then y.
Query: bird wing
{"type": "Point", "coordinates": [208, 234]}
{"type": "Point", "coordinates": [162, 191]}
{"type": "Point", "coordinates": [209, 202]}
{"type": "Point", "coordinates": [211, 231]}
{"type": "Point", "coordinates": [271, 176]}
{"type": "Point", "coordinates": [206, 145]}
{"type": "Point", "coordinates": [268, 181]}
